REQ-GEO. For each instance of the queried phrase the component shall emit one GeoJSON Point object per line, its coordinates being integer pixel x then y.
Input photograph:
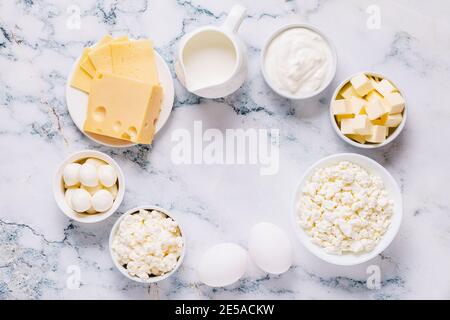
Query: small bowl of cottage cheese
{"type": "Point", "coordinates": [147, 244]}
{"type": "Point", "coordinates": [347, 209]}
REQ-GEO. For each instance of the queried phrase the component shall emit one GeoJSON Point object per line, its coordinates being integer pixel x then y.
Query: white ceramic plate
{"type": "Point", "coordinates": [392, 188]}
{"type": "Point", "coordinates": [122, 269]}
{"type": "Point", "coordinates": [77, 103]}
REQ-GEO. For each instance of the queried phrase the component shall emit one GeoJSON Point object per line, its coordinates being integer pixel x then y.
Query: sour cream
{"type": "Point", "coordinates": [298, 62]}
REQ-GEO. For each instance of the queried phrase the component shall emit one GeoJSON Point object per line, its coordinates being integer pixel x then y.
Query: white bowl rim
{"type": "Point", "coordinates": [386, 239]}
{"type": "Point", "coordinates": [391, 138]}
{"type": "Point", "coordinates": [332, 72]}
{"type": "Point", "coordinates": [59, 196]}
{"type": "Point", "coordinates": [122, 269]}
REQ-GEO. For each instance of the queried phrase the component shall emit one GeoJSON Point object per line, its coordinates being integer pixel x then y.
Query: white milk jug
{"type": "Point", "coordinates": [212, 61]}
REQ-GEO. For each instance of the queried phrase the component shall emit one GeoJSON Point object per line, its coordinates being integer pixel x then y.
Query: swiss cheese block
{"type": "Point", "coordinates": [100, 56]}
{"type": "Point", "coordinates": [123, 108]}
{"type": "Point", "coordinates": [81, 79]}
{"type": "Point", "coordinates": [135, 59]}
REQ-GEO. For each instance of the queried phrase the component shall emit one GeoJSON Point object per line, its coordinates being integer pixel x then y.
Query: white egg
{"type": "Point", "coordinates": [70, 174]}
{"type": "Point", "coordinates": [222, 265]}
{"type": "Point", "coordinates": [102, 200]}
{"type": "Point", "coordinates": [107, 175]}
{"type": "Point", "coordinates": [95, 162]}
{"type": "Point", "coordinates": [88, 175]}
{"type": "Point", "coordinates": [270, 248]}
{"type": "Point", "coordinates": [80, 200]}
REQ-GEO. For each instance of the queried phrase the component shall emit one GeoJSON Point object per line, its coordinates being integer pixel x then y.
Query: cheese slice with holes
{"type": "Point", "coordinates": [81, 79]}
{"type": "Point", "coordinates": [135, 59]}
{"type": "Point", "coordinates": [123, 108]}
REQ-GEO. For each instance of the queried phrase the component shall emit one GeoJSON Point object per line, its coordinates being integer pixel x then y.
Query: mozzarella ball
{"type": "Point", "coordinates": [102, 200]}
{"type": "Point", "coordinates": [95, 162]}
{"type": "Point", "coordinates": [88, 175]}
{"type": "Point", "coordinates": [68, 195]}
{"type": "Point", "coordinates": [80, 200]}
{"type": "Point", "coordinates": [71, 174]}
{"type": "Point", "coordinates": [92, 190]}
{"type": "Point", "coordinates": [107, 175]}
{"type": "Point", "coordinates": [113, 189]}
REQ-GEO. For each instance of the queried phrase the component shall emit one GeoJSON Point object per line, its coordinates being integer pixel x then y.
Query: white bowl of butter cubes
{"type": "Point", "coordinates": [147, 244]}
{"type": "Point", "coordinates": [89, 186]}
{"type": "Point", "coordinates": [347, 209]}
{"type": "Point", "coordinates": [368, 110]}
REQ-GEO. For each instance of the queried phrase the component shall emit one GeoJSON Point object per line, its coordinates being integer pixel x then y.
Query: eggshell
{"type": "Point", "coordinates": [107, 175]}
{"type": "Point", "coordinates": [270, 248]}
{"type": "Point", "coordinates": [102, 200]}
{"type": "Point", "coordinates": [80, 200]}
{"type": "Point", "coordinates": [88, 175]}
{"type": "Point", "coordinates": [70, 174]}
{"type": "Point", "coordinates": [222, 265]}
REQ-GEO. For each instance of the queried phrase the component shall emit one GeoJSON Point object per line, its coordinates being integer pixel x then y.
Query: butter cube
{"type": "Point", "coordinates": [393, 120]}
{"type": "Point", "coordinates": [361, 125]}
{"type": "Point", "coordinates": [374, 95]}
{"type": "Point", "coordinates": [394, 103]}
{"type": "Point", "coordinates": [357, 137]}
{"type": "Point", "coordinates": [347, 126]}
{"type": "Point", "coordinates": [378, 134]}
{"type": "Point", "coordinates": [340, 107]}
{"type": "Point", "coordinates": [348, 91]}
{"type": "Point", "coordinates": [339, 117]}
{"type": "Point", "coordinates": [382, 120]}
{"type": "Point", "coordinates": [361, 84]}
{"type": "Point", "coordinates": [375, 109]}
{"type": "Point", "coordinates": [357, 104]}
{"type": "Point", "coordinates": [385, 87]}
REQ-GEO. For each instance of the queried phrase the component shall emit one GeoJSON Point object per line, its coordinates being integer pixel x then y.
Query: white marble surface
{"type": "Point", "coordinates": [217, 203]}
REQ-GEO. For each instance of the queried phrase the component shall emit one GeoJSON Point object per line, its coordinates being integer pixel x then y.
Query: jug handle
{"type": "Point", "coordinates": [234, 18]}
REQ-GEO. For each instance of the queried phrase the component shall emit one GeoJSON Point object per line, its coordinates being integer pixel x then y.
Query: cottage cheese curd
{"type": "Point", "coordinates": [344, 209]}
{"type": "Point", "coordinates": [148, 243]}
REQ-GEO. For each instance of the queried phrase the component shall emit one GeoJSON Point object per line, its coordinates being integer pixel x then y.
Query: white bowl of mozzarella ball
{"type": "Point", "coordinates": [147, 244]}
{"type": "Point", "coordinates": [89, 186]}
{"type": "Point", "coordinates": [347, 209]}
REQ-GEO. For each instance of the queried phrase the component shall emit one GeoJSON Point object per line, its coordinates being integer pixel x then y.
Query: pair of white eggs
{"type": "Point", "coordinates": [91, 186]}
{"type": "Point", "coordinates": [268, 247]}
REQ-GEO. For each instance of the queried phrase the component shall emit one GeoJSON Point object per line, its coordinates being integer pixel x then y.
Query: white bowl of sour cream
{"type": "Point", "coordinates": [298, 61]}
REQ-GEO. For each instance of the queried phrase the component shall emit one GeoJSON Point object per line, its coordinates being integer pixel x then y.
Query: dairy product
{"type": "Point", "coordinates": [368, 109]}
{"type": "Point", "coordinates": [345, 209]}
{"type": "Point", "coordinates": [123, 108]}
{"type": "Point", "coordinates": [147, 243]}
{"type": "Point", "coordinates": [90, 185]}
{"type": "Point", "coordinates": [209, 58]}
{"type": "Point", "coordinates": [298, 61]}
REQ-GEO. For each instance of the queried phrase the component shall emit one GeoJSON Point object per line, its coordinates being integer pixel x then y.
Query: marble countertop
{"type": "Point", "coordinates": [39, 41]}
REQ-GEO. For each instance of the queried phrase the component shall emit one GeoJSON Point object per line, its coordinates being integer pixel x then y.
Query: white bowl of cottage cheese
{"type": "Point", "coordinates": [147, 244]}
{"type": "Point", "coordinates": [347, 209]}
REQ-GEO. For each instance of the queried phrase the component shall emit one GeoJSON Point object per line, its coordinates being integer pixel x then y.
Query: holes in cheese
{"type": "Point", "coordinates": [99, 114]}
{"type": "Point", "coordinates": [129, 105]}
